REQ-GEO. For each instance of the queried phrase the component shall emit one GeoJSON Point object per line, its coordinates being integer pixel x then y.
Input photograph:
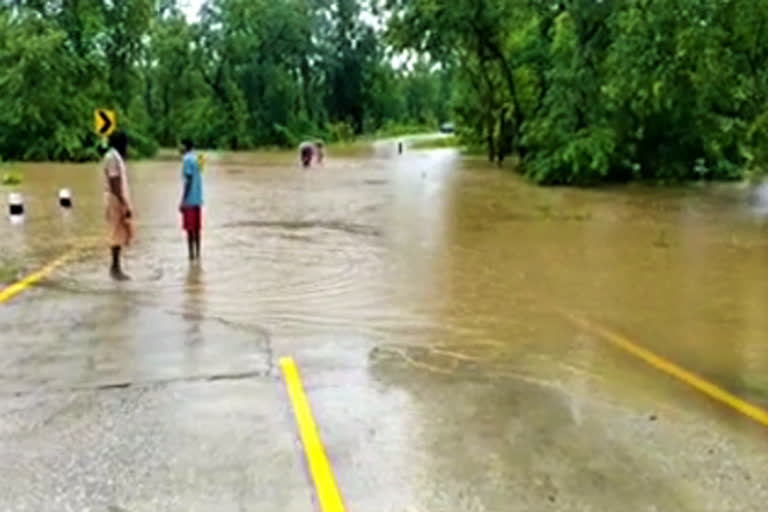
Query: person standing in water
{"type": "Point", "coordinates": [306, 153]}
{"type": "Point", "coordinates": [118, 202]}
{"type": "Point", "coordinates": [309, 151]}
{"type": "Point", "coordinates": [191, 206]}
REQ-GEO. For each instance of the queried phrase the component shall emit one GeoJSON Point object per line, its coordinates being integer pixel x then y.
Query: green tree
{"type": "Point", "coordinates": [49, 119]}
{"type": "Point", "coordinates": [248, 73]}
{"type": "Point", "coordinates": [584, 91]}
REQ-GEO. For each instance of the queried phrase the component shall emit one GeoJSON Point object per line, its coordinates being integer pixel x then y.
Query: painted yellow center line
{"type": "Point", "coordinates": [16, 288]}
{"type": "Point", "coordinates": [322, 474]}
{"type": "Point", "coordinates": [697, 382]}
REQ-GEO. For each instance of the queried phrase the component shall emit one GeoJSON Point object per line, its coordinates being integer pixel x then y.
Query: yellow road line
{"type": "Point", "coordinates": [16, 288]}
{"type": "Point", "coordinates": [322, 474]}
{"type": "Point", "coordinates": [702, 385]}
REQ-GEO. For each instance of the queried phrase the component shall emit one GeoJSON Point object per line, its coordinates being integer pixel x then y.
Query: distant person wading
{"type": "Point", "coordinates": [311, 151]}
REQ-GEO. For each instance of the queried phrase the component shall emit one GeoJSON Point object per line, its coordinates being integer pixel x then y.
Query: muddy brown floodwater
{"type": "Point", "coordinates": [426, 299]}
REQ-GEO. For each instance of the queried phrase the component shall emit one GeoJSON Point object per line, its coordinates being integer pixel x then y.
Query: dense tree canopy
{"type": "Point", "coordinates": [596, 90]}
{"type": "Point", "coordinates": [246, 73]}
{"type": "Point", "coordinates": [580, 91]}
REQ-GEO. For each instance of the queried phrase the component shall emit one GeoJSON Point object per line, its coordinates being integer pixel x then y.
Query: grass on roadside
{"type": "Point", "coordinates": [755, 388]}
{"type": "Point", "coordinates": [402, 129]}
{"type": "Point", "coordinates": [436, 143]}
{"type": "Point", "coordinates": [9, 272]}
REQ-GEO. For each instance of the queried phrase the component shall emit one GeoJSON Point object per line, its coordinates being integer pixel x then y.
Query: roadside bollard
{"type": "Point", "coordinates": [400, 148]}
{"type": "Point", "coordinates": [65, 198]}
{"type": "Point", "coordinates": [15, 205]}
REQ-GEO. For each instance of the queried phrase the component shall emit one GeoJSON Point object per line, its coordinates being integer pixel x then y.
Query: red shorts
{"type": "Point", "coordinates": [191, 218]}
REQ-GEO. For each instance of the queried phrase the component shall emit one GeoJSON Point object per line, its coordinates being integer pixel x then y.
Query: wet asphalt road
{"type": "Point", "coordinates": [420, 297]}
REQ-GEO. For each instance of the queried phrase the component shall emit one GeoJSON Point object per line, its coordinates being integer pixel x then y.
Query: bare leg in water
{"type": "Point", "coordinates": [193, 244]}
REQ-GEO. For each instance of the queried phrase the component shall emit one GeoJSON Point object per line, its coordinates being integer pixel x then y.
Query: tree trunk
{"type": "Point", "coordinates": [491, 142]}
{"type": "Point", "coordinates": [504, 143]}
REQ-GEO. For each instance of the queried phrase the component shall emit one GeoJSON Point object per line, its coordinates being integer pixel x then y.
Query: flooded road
{"type": "Point", "coordinates": [427, 300]}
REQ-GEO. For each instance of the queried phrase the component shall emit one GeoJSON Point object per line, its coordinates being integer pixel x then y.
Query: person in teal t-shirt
{"type": "Point", "coordinates": [192, 199]}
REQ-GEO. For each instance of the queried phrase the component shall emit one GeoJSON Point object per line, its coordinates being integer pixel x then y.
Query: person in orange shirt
{"type": "Point", "coordinates": [119, 211]}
